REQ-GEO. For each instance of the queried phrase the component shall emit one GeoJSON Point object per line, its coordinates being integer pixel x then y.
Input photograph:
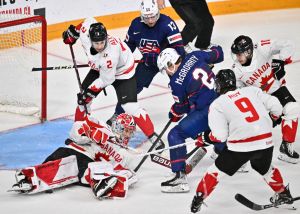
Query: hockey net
{"type": "Point", "coordinates": [22, 47]}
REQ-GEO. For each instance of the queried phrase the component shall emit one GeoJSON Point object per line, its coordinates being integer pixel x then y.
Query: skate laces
{"type": "Point", "coordinates": [290, 148]}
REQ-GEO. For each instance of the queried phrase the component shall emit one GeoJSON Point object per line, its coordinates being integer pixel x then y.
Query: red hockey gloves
{"type": "Point", "coordinates": [95, 134]}
{"type": "Point", "coordinates": [86, 96]}
{"type": "Point", "coordinates": [175, 117]}
{"type": "Point", "coordinates": [70, 35]}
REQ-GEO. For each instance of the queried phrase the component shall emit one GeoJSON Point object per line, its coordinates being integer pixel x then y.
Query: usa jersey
{"type": "Point", "coordinates": [242, 118]}
{"type": "Point", "coordinates": [116, 61]}
{"type": "Point", "coordinates": [165, 34]}
{"type": "Point", "coordinates": [259, 72]}
{"type": "Point", "coordinates": [192, 84]}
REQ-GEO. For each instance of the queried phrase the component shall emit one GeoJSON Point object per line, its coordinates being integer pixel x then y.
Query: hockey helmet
{"type": "Point", "coordinates": [97, 32]}
{"type": "Point", "coordinates": [149, 10]}
{"type": "Point", "coordinates": [167, 58]}
{"type": "Point", "coordinates": [242, 44]}
{"type": "Point", "coordinates": [225, 81]}
{"type": "Point", "coordinates": [124, 127]}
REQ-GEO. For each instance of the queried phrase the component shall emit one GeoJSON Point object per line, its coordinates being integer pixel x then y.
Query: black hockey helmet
{"type": "Point", "coordinates": [242, 44]}
{"type": "Point", "coordinates": [225, 81]}
{"type": "Point", "coordinates": [97, 32]}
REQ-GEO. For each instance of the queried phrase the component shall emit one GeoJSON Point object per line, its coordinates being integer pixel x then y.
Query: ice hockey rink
{"type": "Point", "coordinates": [24, 141]}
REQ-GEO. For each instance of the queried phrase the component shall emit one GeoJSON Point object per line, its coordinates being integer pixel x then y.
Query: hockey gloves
{"type": "Point", "coordinates": [150, 59]}
{"type": "Point", "coordinates": [95, 134]}
{"type": "Point", "coordinates": [278, 68]}
{"type": "Point", "coordinates": [203, 139]}
{"type": "Point", "coordinates": [175, 117]}
{"type": "Point", "coordinates": [71, 35]}
{"type": "Point", "coordinates": [85, 97]}
{"type": "Point", "coordinates": [275, 119]}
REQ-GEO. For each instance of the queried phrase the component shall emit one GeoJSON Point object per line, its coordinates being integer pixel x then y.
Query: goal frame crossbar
{"type": "Point", "coordinates": [43, 21]}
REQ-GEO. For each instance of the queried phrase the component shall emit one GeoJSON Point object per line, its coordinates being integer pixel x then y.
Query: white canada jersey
{"type": "Point", "coordinates": [259, 72]}
{"type": "Point", "coordinates": [108, 151]}
{"type": "Point", "coordinates": [116, 61]}
{"type": "Point", "coordinates": [242, 118]}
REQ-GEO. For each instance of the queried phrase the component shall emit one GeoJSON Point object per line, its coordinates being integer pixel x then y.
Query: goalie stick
{"type": "Point", "coordinates": [253, 206]}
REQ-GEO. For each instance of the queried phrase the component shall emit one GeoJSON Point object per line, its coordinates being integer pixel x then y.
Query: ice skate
{"type": "Point", "coordinates": [197, 203]}
{"type": "Point", "coordinates": [176, 184]}
{"type": "Point", "coordinates": [287, 153]}
{"type": "Point", "coordinates": [284, 198]}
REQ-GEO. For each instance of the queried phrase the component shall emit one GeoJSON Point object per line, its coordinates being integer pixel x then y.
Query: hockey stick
{"type": "Point", "coordinates": [77, 75]}
{"type": "Point", "coordinates": [190, 164]}
{"type": "Point", "coordinates": [153, 145]}
{"type": "Point", "coordinates": [166, 148]}
{"type": "Point", "coordinates": [166, 162]}
{"type": "Point", "coordinates": [253, 206]}
{"type": "Point", "coordinates": [61, 67]}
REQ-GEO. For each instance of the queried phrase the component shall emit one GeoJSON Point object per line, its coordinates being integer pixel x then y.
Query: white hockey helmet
{"type": "Point", "coordinates": [149, 10]}
{"type": "Point", "coordinates": [167, 58]}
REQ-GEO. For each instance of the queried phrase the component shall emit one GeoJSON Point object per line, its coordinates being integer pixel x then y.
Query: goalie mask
{"type": "Point", "coordinates": [167, 60]}
{"type": "Point", "coordinates": [98, 36]}
{"type": "Point", "coordinates": [149, 12]}
{"type": "Point", "coordinates": [242, 50]}
{"type": "Point", "coordinates": [124, 127]}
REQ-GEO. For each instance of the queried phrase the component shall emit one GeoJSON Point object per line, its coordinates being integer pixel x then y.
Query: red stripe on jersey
{"type": "Point", "coordinates": [265, 42]}
{"type": "Point", "coordinates": [77, 147]}
{"type": "Point", "coordinates": [251, 139]}
{"type": "Point", "coordinates": [127, 71]}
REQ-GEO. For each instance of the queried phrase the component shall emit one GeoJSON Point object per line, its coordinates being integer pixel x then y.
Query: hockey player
{"type": "Point", "coordinates": [198, 21]}
{"type": "Point", "coordinates": [192, 83]}
{"type": "Point", "coordinates": [241, 117]}
{"type": "Point", "coordinates": [253, 66]}
{"type": "Point", "coordinates": [95, 156]}
{"type": "Point", "coordinates": [113, 59]}
{"type": "Point", "coordinates": [150, 34]}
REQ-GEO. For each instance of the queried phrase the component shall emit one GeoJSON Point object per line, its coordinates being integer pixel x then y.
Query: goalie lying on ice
{"type": "Point", "coordinates": [96, 156]}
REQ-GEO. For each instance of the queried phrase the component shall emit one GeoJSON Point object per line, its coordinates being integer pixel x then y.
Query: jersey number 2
{"type": "Point", "coordinates": [244, 105]}
{"type": "Point", "coordinates": [207, 81]}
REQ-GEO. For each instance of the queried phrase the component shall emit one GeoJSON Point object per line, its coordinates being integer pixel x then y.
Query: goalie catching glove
{"type": "Point", "coordinates": [71, 35]}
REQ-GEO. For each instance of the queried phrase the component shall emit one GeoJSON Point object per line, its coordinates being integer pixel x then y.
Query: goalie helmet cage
{"type": "Point", "coordinates": [29, 30]}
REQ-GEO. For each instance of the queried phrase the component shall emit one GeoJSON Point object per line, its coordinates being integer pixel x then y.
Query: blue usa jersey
{"type": "Point", "coordinates": [152, 40]}
{"type": "Point", "coordinates": [193, 83]}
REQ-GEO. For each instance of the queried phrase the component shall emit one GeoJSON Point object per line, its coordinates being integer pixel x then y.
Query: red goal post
{"type": "Point", "coordinates": [19, 35]}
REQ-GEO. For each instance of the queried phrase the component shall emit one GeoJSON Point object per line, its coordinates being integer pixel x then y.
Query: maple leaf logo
{"type": "Point", "coordinates": [266, 82]}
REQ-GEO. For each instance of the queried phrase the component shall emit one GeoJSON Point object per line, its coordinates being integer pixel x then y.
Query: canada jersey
{"type": "Point", "coordinates": [116, 61]}
{"type": "Point", "coordinates": [242, 118]}
{"type": "Point", "coordinates": [259, 72]}
{"type": "Point", "coordinates": [164, 34]}
{"type": "Point", "coordinates": [108, 151]}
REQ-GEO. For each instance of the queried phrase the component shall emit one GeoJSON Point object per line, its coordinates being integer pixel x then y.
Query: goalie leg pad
{"type": "Point", "coordinates": [50, 175]}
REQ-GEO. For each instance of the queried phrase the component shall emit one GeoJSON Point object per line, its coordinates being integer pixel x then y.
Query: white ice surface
{"type": "Point", "coordinates": [146, 197]}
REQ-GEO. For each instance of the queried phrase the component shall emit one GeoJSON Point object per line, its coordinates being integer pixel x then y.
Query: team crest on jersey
{"type": "Point", "coordinates": [147, 46]}
{"type": "Point", "coordinates": [257, 74]}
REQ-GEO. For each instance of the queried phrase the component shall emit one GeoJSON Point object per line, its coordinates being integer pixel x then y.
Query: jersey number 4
{"type": "Point", "coordinates": [245, 106]}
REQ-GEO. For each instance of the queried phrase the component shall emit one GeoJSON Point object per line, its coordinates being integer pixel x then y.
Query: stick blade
{"type": "Point", "coordinates": [246, 202]}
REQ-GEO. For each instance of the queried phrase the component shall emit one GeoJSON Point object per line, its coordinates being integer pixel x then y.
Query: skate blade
{"type": "Point", "coordinates": [285, 158]}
